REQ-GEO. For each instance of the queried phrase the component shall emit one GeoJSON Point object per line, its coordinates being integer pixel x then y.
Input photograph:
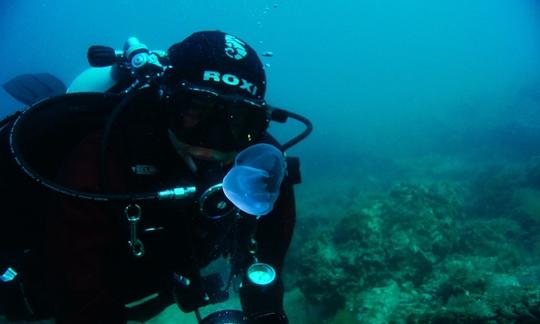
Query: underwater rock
{"type": "Point", "coordinates": [415, 255]}
{"type": "Point", "coordinates": [323, 279]}
{"type": "Point", "coordinates": [397, 237]}
{"type": "Point", "coordinates": [492, 191]}
{"type": "Point", "coordinates": [379, 304]}
{"type": "Point", "coordinates": [497, 238]}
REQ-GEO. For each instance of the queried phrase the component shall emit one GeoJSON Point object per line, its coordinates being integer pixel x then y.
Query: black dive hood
{"type": "Point", "coordinates": [44, 134]}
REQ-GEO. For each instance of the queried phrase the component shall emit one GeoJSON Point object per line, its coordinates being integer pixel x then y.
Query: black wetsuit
{"type": "Point", "coordinates": [94, 272]}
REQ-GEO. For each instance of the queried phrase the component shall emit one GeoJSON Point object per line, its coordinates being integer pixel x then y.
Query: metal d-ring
{"type": "Point", "coordinates": [219, 208]}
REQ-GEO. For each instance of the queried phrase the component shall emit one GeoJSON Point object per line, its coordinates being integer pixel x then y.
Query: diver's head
{"type": "Point", "coordinates": [215, 92]}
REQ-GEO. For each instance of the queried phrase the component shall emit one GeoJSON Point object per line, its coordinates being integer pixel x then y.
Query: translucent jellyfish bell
{"type": "Point", "coordinates": [254, 181]}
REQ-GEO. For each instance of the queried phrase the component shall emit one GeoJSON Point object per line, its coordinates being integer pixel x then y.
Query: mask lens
{"type": "Point", "coordinates": [246, 122]}
{"type": "Point", "coordinates": [207, 119]}
{"type": "Point", "coordinates": [192, 109]}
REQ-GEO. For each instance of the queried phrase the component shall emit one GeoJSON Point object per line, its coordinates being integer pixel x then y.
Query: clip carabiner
{"type": "Point", "coordinates": [133, 213]}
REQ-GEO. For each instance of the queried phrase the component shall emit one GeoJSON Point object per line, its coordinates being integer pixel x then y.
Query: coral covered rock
{"type": "Point", "coordinates": [412, 256]}
{"type": "Point", "coordinates": [400, 236]}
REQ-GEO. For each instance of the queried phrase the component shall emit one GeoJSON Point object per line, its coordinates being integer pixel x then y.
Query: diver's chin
{"type": "Point", "coordinates": [189, 153]}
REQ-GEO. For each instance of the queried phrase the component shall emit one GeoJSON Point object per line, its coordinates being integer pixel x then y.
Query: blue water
{"type": "Point", "coordinates": [376, 76]}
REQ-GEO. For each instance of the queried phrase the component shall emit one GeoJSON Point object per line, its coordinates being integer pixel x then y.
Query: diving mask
{"type": "Point", "coordinates": [205, 118]}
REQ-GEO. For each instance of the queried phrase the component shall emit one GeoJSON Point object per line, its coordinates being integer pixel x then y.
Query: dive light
{"type": "Point", "coordinates": [261, 274]}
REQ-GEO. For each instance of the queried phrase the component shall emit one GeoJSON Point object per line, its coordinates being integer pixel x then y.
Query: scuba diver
{"type": "Point", "coordinates": [153, 166]}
